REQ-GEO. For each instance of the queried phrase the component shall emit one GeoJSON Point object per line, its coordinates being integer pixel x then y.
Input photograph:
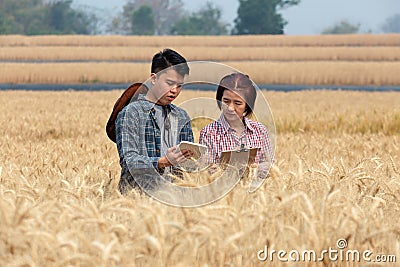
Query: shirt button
{"type": "Point", "coordinates": [158, 151]}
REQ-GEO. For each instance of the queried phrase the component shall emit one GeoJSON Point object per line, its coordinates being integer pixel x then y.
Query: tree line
{"type": "Point", "coordinates": [155, 17]}
{"type": "Point", "coordinates": [34, 17]}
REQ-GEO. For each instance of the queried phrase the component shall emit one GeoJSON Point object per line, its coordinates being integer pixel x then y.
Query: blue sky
{"type": "Point", "coordinates": [309, 17]}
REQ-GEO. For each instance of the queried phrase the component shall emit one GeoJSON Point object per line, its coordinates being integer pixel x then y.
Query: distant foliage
{"type": "Point", "coordinates": [206, 21]}
{"type": "Point", "coordinates": [165, 13]}
{"type": "Point", "coordinates": [342, 27]}
{"type": "Point", "coordinates": [261, 16]}
{"type": "Point", "coordinates": [34, 17]}
{"type": "Point", "coordinates": [142, 21]}
{"type": "Point", "coordinates": [392, 24]}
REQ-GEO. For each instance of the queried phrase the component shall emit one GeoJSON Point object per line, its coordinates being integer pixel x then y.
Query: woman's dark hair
{"type": "Point", "coordinates": [242, 85]}
{"type": "Point", "coordinates": [168, 58]}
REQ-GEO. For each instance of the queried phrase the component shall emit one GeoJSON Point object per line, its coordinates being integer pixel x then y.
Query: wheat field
{"type": "Point", "coordinates": [216, 53]}
{"type": "Point", "coordinates": [336, 176]}
{"type": "Point", "coordinates": [222, 40]}
{"type": "Point", "coordinates": [363, 60]}
{"type": "Point", "coordinates": [261, 72]}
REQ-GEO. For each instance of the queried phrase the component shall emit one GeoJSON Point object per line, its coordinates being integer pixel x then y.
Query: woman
{"type": "Point", "coordinates": [234, 129]}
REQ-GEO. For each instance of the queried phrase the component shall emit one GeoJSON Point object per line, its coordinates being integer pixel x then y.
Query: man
{"type": "Point", "coordinates": [148, 129]}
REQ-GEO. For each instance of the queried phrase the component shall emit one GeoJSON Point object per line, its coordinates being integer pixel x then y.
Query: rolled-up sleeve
{"type": "Point", "coordinates": [207, 140]}
{"type": "Point", "coordinates": [268, 154]}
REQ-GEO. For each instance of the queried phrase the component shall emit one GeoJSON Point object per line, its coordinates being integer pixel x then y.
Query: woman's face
{"type": "Point", "coordinates": [233, 106]}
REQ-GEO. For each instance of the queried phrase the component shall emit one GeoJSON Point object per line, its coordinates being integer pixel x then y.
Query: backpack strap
{"type": "Point", "coordinates": [127, 96]}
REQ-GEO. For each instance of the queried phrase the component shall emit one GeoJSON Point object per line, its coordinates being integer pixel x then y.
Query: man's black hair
{"type": "Point", "coordinates": [168, 58]}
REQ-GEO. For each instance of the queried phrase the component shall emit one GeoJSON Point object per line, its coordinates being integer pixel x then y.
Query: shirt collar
{"type": "Point", "coordinates": [148, 106]}
{"type": "Point", "coordinates": [227, 127]}
{"type": "Point", "coordinates": [247, 122]}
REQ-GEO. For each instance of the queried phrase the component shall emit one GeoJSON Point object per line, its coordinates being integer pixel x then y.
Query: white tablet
{"type": "Point", "coordinates": [197, 149]}
{"type": "Point", "coordinates": [198, 161]}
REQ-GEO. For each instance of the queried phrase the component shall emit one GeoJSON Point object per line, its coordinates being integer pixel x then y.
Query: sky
{"type": "Point", "coordinates": [308, 18]}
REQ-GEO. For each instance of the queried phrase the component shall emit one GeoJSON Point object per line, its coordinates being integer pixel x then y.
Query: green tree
{"type": "Point", "coordinates": [165, 14]}
{"type": "Point", "coordinates": [21, 17]}
{"type": "Point", "coordinates": [206, 21]}
{"type": "Point", "coordinates": [32, 17]}
{"type": "Point", "coordinates": [392, 24]}
{"type": "Point", "coordinates": [142, 21]}
{"type": "Point", "coordinates": [63, 19]}
{"type": "Point", "coordinates": [342, 27]}
{"type": "Point", "coordinates": [261, 16]}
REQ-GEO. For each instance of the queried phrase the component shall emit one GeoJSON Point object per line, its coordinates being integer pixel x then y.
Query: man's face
{"type": "Point", "coordinates": [167, 85]}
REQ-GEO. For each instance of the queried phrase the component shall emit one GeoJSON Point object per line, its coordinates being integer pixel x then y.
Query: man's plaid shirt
{"type": "Point", "coordinates": [138, 137]}
{"type": "Point", "coordinates": [218, 136]}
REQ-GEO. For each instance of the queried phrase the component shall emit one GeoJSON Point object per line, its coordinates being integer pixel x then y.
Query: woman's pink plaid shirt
{"type": "Point", "coordinates": [218, 136]}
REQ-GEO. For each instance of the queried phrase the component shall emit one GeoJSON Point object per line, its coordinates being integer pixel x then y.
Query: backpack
{"type": "Point", "coordinates": [130, 94]}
